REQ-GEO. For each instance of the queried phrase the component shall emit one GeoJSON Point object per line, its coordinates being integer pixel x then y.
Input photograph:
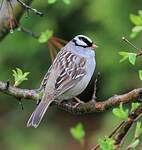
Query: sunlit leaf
{"type": "Point", "coordinates": [132, 58]}
{"type": "Point", "coordinates": [140, 74]}
{"type": "Point", "coordinates": [134, 106]}
{"type": "Point", "coordinates": [107, 144]}
{"type": "Point", "coordinates": [67, 2]}
{"type": "Point", "coordinates": [78, 132]}
{"type": "Point", "coordinates": [134, 144]}
{"type": "Point", "coordinates": [19, 76]}
{"type": "Point", "coordinates": [45, 36]}
{"type": "Point", "coordinates": [138, 130]}
{"type": "Point", "coordinates": [140, 13]}
{"type": "Point", "coordinates": [133, 34]}
{"type": "Point", "coordinates": [124, 56]}
{"type": "Point", "coordinates": [137, 29]}
{"type": "Point", "coordinates": [120, 112]}
{"type": "Point", "coordinates": [136, 20]}
{"type": "Point", "coordinates": [127, 55]}
{"type": "Point", "coordinates": [51, 1]}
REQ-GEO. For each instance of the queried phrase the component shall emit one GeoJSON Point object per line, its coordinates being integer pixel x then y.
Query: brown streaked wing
{"type": "Point", "coordinates": [45, 79]}
{"type": "Point", "coordinates": [72, 71]}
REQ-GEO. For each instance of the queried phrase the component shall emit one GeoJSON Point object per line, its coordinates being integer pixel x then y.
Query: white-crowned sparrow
{"type": "Point", "coordinates": [68, 76]}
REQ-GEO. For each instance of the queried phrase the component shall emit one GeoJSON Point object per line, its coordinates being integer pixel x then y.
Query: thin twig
{"type": "Point", "coordinates": [133, 116]}
{"type": "Point", "coordinates": [51, 51]}
{"type": "Point", "coordinates": [130, 43]}
{"type": "Point", "coordinates": [111, 135]}
{"type": "Point", "coordinates": [54, 50]}
{"type": "Point", "coordinates": [4, 16]}
{"type": "Point", "coordinates": [60, 40]}
{"type": "Point", "coordinates": [95, 87]}
{"type": "Point", "coordinates": [29, 32]}
{"type": "Point", "coordinates": [30, 8]}
{"type": "Point", "coordinates": [56, 43]}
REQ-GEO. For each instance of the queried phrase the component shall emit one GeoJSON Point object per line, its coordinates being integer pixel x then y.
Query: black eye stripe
{"type": "Point", "coordinates": [78, 44]}
{"type": "Point", "coordinates": [86, 41]}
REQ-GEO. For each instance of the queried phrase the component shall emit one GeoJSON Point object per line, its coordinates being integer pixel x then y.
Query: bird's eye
{"type": "Point", "coordinates": [85, 40]}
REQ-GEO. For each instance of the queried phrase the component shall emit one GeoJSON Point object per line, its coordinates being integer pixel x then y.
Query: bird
{"type": "Point", "coordinates": [68, 76]}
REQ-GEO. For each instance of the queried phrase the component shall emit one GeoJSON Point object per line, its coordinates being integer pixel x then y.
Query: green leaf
{"type": "Point", "coordinates": [138, 130]}
{"type": "Point", "coordinates": [124, 56]}
{"type": "Point", "coordinates": [127, 55]}
{"type": "Point", "coordinates": [134, 106]}
{"type": "Point", "coordinates": [134, 144]}
{"type": "Point", "coordinates": [140, 74]}
{"type": "Point", "coordinates": [106, 144]}
{"type": "Point", "coordinates": [132, 58]}
{"type": "Point", "coordinates": [140, 13]}
{"type": "Point", "coordinates": [45, 36]}
{"type": "Point", "coordinates": [19, 76]}
{"type": "Point", "coordinates": [67, 2]}
{"type": "Point", "coordinates": [120, 112]}
{"type": "Point", "coordinates": [137, 29]}
{"type": "Point", "coordinates": [133, 34]}
{"type": "Point", "coordinates": [51, 1]}
{"type": "Point", "coordinates": [135, 19]}
{"type": "Point", "coordinates": [78, 132]}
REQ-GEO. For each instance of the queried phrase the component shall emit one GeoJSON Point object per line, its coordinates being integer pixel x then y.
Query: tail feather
{"type": "Point", "coordinates": [38, 114]}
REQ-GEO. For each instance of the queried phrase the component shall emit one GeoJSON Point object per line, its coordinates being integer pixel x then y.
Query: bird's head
{"type": "Point", "coordinates": [83, 41]}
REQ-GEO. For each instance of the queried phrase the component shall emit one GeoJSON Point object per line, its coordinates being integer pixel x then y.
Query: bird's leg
{"type": "Point", "coordinates": [65, 102]}
{"type": "Point", "coordinates": [78, 102]}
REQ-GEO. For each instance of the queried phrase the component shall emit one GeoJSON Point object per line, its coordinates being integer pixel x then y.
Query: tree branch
{"type": "Point", "coordinates": [132, 118]}
{"type": "Point", "coordinates": [5, 15]}
{"type": "Point", "coordinates": [83, 108]}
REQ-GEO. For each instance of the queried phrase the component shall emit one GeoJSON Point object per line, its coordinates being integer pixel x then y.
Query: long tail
{"type": "Point", "coordinates": [38, 114]}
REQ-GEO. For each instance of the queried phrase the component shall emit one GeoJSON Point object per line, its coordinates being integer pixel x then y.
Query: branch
{"type": "Point", "coordinates": [17, 92]}
{"type": "Point", "coordinates": [139, 53]}
{"type": "Point", "coordinates": [121, 131]}
{"type": "Point", "coordinates": [6, 14]}
{"type": "Point", "coordinates": [132, 118]}
{"type": "Point", "coordinates": [83, 108]}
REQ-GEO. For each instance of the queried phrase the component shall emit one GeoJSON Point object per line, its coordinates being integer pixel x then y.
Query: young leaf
{"type": "Point", "coordinates": [133, 34]}
{"type": "Point", "coordinates": [134, 106]}
{"type": "Point", "coordinates": [67, 2]}
{"type": "Point", "coordinates": [45, 36]}
{"type": "Point", "coordinates": [51, 1]}
{"type": "Point", "coordinates": [78, 132]}
{"type": "Point", "coordinates": [19, 76]}
{"type": "Point", "coordinates": [132, 58]}
{"type": "Point", "coordinates": [134, 144]}
{"type": "Point", "coordinates": [140, 74]}
{"type": "Point", "coordinates": [138, 130]}
{"type": "Point", "coordinates": [124, 56]}
{"type": "Point", "coordinates": [137, 29]}
{"type": "Point", "coordinates": [135, 19]}
{"type": "Point", "coordinates": [140, 13]}
{"type": "Point", "coordinates": [120, 112]}
{"type": "Point", "coordinates": [106, 144]}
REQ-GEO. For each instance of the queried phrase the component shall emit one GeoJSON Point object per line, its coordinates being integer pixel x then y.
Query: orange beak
{"type": "Point", "coordinates": [94, 46]}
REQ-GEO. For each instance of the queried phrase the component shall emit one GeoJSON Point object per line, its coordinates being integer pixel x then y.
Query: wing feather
{"type": "Point", "coordinates": [72, 69]}
{"type": "Point", "coordinates": [68, 68]}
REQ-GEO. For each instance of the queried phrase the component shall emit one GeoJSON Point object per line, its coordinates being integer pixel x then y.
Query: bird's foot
{"type": "Point", "coordinates": [78, 102]}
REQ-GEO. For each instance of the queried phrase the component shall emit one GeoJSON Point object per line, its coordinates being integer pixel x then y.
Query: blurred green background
{"type": "Point", "coordinates": [105, 22]}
